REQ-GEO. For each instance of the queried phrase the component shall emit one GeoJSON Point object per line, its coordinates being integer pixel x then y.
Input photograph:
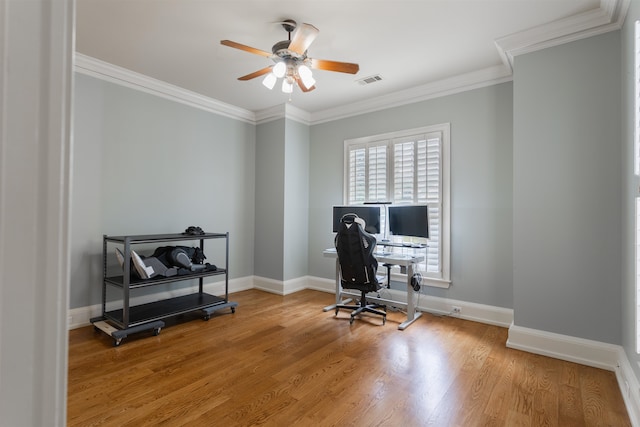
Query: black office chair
{"type": "Point", "coordinates": [357, 265]}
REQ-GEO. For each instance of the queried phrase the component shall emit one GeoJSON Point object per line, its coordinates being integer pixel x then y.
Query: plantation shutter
{"type": "Point", "coordinates": [417, 179]}
{"type": "Point", "coordinates": [406, 168]}
{"type": "Point", "coordinates": [357, 175]}
{"type": "Point", "coordinates": [433, 197]}
{"type": "Point", "coordinates": [377, 173]}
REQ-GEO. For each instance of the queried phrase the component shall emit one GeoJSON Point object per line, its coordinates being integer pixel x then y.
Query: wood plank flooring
{"type": "Point", "coordinates": [282, 361]}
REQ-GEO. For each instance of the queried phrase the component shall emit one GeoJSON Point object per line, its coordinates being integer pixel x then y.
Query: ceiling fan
{"type": "Point", "coordinates": [291, 61]}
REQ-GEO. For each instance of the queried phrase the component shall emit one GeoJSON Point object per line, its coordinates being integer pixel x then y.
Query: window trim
{"type": "Point", "coordinates": [445, 234]}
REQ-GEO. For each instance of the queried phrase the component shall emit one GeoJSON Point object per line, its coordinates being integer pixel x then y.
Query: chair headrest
{"type": "Point", "coordinates": [350, 218]}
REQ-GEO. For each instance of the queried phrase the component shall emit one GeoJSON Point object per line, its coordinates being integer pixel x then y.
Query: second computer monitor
{"type": "Point", "coordinates": [370, 215]}
{"type": "Point", "coordinates": [409, 220]}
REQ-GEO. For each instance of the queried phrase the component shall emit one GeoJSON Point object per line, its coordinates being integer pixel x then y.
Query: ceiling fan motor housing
{"type": "Point", "coordinates": [280, 46]}
{"type": "Point", "coordinates": [289, 25]}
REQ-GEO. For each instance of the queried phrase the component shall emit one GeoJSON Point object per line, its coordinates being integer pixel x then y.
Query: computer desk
{"type": "Point", "coordinates": [408, 261]}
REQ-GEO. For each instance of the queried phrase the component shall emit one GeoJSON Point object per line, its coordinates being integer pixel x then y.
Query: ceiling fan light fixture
{"type": "Point", "coordinates": [280, 69]}
{"type": "Point", "coordinates": [287, 87]}
{"type": "Point", "coordinates": [306, 76]}
{"type": "Point", "coordinates": [270, 81]}
{"type": "Point", "coordinates": [291, 62]}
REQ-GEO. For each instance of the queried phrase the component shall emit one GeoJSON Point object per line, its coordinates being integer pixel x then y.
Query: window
{"type": "Point", "coordinates": [408, 167]}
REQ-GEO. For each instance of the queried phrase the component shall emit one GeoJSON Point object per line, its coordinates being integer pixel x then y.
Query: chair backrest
{"type": "Point", "coordinates": [355, 254]}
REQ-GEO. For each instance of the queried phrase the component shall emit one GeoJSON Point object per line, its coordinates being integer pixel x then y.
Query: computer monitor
{"type": "Point", "coordinates": [370, 214]}
{"type": "Point", "coordinates": [409, 220]}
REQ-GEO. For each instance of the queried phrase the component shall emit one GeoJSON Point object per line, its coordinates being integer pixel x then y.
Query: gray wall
{"type": "Point", "coordinates": [143, 164]}
{"type": "Point", "coordinates": [282, 200]}
{"type": "Point", "coordinates": [566, 163]}
{"type": "Point", "coordinates": [629, 300]}
{"type": "Point", "coordinates": [269, 222]}
{"type": "Point", "coordinates": [296, 200]}
{"type": "Point", "coordinates": [481, 192]}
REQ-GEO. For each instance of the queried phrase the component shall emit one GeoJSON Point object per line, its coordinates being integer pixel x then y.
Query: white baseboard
{"type": "Point", "coordinates": [498, 316]}
{"type": "Point", "coordinates": [481, 313]}
{"type": "Point", "coordinates": [468, 310]}
{"type": "Point", "coordinates": [268, 285]}
{"type": "Point", "coordinates": [629, 387]}
{"type": "Point", "coordinates": [321, 284]}
{"type": "Point", "coordinates": [280, 287]}
{"type": "Point", "coordinates": [586, 352]}
{"type": "Point", "coordinates": [81, 316]}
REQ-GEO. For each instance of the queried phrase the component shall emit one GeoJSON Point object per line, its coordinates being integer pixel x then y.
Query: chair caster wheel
{"type": "Point", "coordinates": [351, 321]}
{"type": "Point", "coordinates": [156, 331]}
{"type": "Point", "coordinates": [206, 317]}
{"type": "Point", "coordinates": [233, 310]}
{"type": "Point", "coordinates": [117, 342]}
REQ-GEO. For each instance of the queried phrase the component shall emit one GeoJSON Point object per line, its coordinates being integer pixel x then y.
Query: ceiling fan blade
{"type": "Point", "coordinates": [246, 48]}
{"type": "Point", "coordinates": [302, 38]}
{"type": "Point", "coordinates": [342, 67]}
{"type": "Point", "coordinates": [303, 87]}
{"type": "Point", "coordinates": [256, 73]}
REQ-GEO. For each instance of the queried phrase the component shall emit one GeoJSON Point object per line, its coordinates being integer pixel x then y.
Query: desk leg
{"type": "Point", "coordinates": [338, 290]}
{"type": "Point", "coordinates": [412, 314]}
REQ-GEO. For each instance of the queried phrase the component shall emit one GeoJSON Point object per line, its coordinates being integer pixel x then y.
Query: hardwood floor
{"type": "Point", "coordinates": [282, 361]}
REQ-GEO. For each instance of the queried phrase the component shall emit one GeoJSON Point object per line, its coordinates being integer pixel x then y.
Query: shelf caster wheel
{"type": "Point", "coordinates": [117, 342]}
{"type": "Point", "coordinates": [384, 320]}
{"type": "Point", "coordinates": [156, 331]}
{"type": "Point", "coordinates": [351, 321]}
{"type": "Point", "coordinates": [337, 311]}
{"type": "Point", "coordinates": [206, 317]}
{"type": "Point", "coordinates": [233, 310]}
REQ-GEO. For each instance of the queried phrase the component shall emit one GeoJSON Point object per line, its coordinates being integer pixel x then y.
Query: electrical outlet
{"type": "Point", "coordinates": [455, 309]}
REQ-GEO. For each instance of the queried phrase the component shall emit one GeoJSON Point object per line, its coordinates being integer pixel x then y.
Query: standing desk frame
{"type": "Point", "coordinates": [408, 261]}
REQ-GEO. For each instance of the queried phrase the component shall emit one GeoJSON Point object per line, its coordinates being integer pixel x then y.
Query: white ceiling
{"type": "Point", "coordinates": [417, 47]}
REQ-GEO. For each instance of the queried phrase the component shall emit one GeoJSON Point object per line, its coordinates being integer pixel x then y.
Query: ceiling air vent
{"type": "Point", "coordinates": [370, 79]}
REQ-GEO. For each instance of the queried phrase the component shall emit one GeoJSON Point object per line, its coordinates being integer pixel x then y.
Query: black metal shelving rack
{"type": "Point", "coordinates": [129, 319]}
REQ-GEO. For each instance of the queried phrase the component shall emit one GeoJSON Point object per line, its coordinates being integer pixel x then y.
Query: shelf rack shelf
{"type": "Point", "coordinates": [121, 322]}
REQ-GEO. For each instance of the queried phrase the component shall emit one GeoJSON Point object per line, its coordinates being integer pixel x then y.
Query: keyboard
{"type": "Point", "coordinates": [381, 253]}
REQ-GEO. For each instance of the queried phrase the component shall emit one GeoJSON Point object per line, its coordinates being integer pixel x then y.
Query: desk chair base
{"type": "Point", "coordinates": [363, 307]}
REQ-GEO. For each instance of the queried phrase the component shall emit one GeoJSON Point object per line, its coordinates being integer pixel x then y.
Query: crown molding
{"type": "Point", "coordinates": [280, 111]}
{"type": "Point", "coordinates": [270, 114]}
{"type": "Point", "coordinates": [102, 70]}
{"type": "Point", "coordinates": [297, 114]}
{"type": "Point", "coordinates": [112, 73]}
{"type": "Point", "coordinates": [609, 16]}
{"type": "Point", "coordinates": [452, 85]}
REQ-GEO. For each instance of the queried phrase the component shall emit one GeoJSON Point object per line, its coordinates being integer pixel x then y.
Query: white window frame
{"type": "Point", "coordinates": [443, 279]}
